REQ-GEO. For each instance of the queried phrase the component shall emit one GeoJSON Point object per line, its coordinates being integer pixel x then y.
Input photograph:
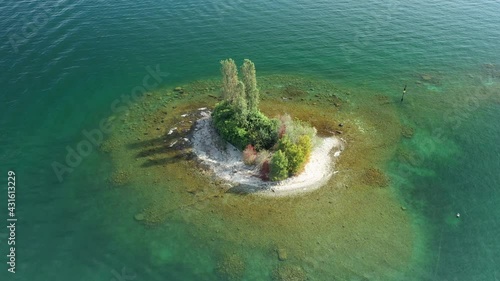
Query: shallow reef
{"type": "Point", "coordinates": [325, 231]}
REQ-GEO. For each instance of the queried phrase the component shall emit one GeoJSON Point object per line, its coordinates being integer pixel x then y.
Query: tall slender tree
{"type": "Point", "coordinates": [250, 81]}
{"type": "Point", "coordinates": [229, 80]}
{"type": "Point", "coordinates": [240, 101]}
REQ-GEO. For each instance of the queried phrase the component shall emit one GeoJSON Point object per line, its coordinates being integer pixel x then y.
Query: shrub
{"type": "Point", "coordinates": [256, 129]}
{"type": "Point", "coordinates": [292, 153]}
{"type": "Point", "coordinates": [230, 128]}
{"type": "Point", "coordinates": [305, 145]}
{"type": "Point", "coordinates": [279, 166]}
{"type": "Point", "coordinates": [262, 156]}
{"type": "Point", "coordinates": [265, 170]}
{"type": "Point", "coordinates": [263, 131]}
{"type": "Point", "coordinates": [296, 154]}
{"type": "Point", "coordinates": [294, 128]}
{"type": "Point", "coordinates": [249, 155]}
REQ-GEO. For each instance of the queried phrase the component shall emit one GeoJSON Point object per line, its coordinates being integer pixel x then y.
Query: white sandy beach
{"type": "Point", "coordinates": [227, 163]}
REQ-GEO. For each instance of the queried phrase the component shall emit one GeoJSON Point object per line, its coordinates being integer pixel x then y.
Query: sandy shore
{"type": "Point", "coordinates": [227, 163]}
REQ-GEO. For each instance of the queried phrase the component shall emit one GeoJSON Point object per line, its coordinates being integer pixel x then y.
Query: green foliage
{"type": "Point", "coordinates": [255, 129]}
{"type": "Point", "coordinates": [305, 145]}
{"type": "Point", "coordinates": [279, 166]}
{"type": "Point", "coordinates": [297, 154]}
{"type": "Point", "coordinates": [262, 131]}
{"type": "Point", "coordinates": [250, 81]}
{"type": "Point", "coordinates": [239, 121]}
{"type": "Point", "coordinates": [226, 119]}
{"type": "Point", "coordinates": [229, 80]}
{"type": "Point", "coordinates": [295, 128]}
{"type": "Point", "coordinates": [240, 102]}
{"type": "Point", "coordinates": [262, 156]}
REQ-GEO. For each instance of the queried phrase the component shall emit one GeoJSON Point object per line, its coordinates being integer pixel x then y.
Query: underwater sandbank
{"type": "Point", "coordinates": [324, 232]}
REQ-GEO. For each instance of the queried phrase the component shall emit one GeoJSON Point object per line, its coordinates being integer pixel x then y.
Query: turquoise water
{"type": "Point", "coordinates": [65, 62]}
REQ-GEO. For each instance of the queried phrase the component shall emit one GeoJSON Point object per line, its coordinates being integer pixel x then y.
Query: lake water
{"type": "Point", "coordinates": [65, 62]}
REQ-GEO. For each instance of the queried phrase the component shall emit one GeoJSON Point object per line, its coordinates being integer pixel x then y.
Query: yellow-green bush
{"type": "Point", "coordinates": [279, 166]}
{"type": "Point", "coordinates": [297, 153]}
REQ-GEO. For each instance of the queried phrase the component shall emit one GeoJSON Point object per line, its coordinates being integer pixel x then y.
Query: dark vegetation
{"type": "Point", "coordinates": [280, 147]}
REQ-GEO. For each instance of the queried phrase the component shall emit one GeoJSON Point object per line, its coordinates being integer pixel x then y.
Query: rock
{"type": "Point", "coordinates": [282, 254]}
{"type": "Point", "coordinates": [489, 65]}
{"type": "Point", "coordinates": [426, 77]}
{"type": "Point", "coordinates": [178, 89]}
{"type": "Point", "coordinates": [139, 217]}
{"type": "Point", "coordinates": [407, 132]}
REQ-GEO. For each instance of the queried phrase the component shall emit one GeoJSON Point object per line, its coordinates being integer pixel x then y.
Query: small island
{"type": "Point", "coordinates": [168, 152]}
{"type": "Point", "coordinates": [255, 153]}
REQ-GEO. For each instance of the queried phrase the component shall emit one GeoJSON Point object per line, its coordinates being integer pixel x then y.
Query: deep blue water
{"type": "Point", "coordinates": [64, 62]}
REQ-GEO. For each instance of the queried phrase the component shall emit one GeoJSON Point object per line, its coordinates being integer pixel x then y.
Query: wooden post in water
{"type": "Point", "coordinates": [404, 92]}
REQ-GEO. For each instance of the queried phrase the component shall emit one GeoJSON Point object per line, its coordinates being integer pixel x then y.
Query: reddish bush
{"type": "Point", "coordinates": [249, 155]}
{"type": "Point", "coordinates": [282, 131]}
{"type": "Point", "coordinates": [265, 170]}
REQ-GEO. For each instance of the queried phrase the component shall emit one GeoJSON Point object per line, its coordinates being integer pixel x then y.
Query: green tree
{"type": "Point", "coordinates": [250, 81]}
{"type": "Point", "coordinates": [240, 102]}
{"type": "Point", "coordinates": [229, 80]}
{"type": "Point", "coordinates": [279, 166]}
{"type": "Point", "coordinates": [228, 124]}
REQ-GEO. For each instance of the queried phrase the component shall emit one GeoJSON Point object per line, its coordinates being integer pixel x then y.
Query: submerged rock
{"type": "Point", "coordinates": [139, 217]}
{"type": "Point", "coordinates": [375, 177]}
{"type": "Point", "coordinates": [282, 254]}
{"type": "Point", "coordinates": [426, 77]}
{"type": "Point", "coordinates": [407, 132]}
